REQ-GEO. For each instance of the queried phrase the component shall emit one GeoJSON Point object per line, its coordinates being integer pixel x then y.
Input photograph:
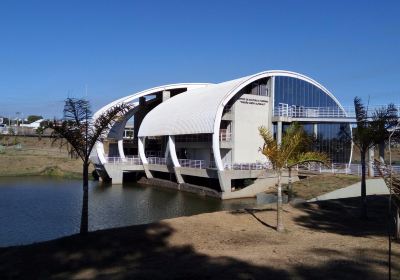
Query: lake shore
{"type": "Point", "coordinates": [324, 238]}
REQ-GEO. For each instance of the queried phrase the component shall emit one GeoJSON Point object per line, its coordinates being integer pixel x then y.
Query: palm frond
{"type": "Point", "coordinates": [292, 150]}
{"type": "Point", "coordinates": [361, 111]}
{"type": "Point", "coordinates": [307, 157]}
{"type": "Point", "coordinates": [78, 132]}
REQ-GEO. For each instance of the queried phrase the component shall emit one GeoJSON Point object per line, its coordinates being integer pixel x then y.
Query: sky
{"type": "Point", "coordinates": [104, 50]}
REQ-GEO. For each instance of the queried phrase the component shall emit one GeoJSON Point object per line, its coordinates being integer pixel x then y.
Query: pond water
{"type": "Point", "coordinates": [35, 209]}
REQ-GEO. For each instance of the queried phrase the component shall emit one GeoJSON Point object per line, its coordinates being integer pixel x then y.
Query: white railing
{"type": "Point", "coordinates": [284, 110]}
{"type": "Point", "coordinates": [192, 163]}
{"type": "Point", "coordinates": [157, 160]}
{"type": "Point", "coordinates": [341, 168]}
{"type": "Point", "coordinates": [225, 135]}
{"type": "Point", "coordinates": [127, 161]}
{"type": "Point", "coordinates": [247, 166]}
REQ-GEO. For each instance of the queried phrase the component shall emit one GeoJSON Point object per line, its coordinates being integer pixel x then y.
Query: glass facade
{"type": "Point", "coordinates": [297, 92]}
{"type": "Point", "coordinates": [331, 137]}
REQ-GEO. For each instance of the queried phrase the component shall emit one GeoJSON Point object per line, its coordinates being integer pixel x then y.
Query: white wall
{"type": "Point", "coordinates": [250, 112]}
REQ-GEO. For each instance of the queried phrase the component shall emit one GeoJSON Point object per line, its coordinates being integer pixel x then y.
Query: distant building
{"type": "Point", "coordinates": [33, 125]}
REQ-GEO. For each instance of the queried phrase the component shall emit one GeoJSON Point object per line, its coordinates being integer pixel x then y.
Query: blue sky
{"type": "Point", "coordinates": [50, 50]}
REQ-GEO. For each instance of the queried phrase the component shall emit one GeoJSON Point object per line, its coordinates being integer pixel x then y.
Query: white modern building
{"type": "Point", "coordinates": [204, 137]}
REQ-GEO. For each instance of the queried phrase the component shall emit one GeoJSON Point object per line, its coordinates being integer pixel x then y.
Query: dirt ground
{"type": "Point", "coordinates": [35, 157]}
{"type": "Point", "coordinates": [314, 186]}
{"type": "Point", "coordinates": [324, 240]}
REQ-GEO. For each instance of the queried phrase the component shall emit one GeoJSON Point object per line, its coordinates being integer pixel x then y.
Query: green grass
{"type": "Point", "coordinates": [317, 185]}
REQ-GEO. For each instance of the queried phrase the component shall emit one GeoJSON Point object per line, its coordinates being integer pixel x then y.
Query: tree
{"type": "Point", "coordinates": [33, 118]}
{"type": "Point", "coordinates": [79, 132]}
{"type": "Point", "coordinates": [370, 131]}
{"type": "Point", "coordinates": [289, 152]}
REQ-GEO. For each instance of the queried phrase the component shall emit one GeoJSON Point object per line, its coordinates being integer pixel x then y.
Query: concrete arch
{"type": "Point", "coordinates": [247, 81]}
{"type": "Point", "coordinates": [99, 156]}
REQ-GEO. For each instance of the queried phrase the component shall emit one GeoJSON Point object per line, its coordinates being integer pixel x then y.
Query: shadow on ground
{"type": "Point", "coordinates": [138, 252]}
{"type": "Point", "coordinates": [342, 216]}
{"type": "Point", "coordinates": [143, 252]}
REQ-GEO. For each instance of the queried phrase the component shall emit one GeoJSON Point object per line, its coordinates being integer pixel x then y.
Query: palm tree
{"type": "Point", "coordinates": [370, 131]}
{"type": "Point", "coordinates": [289, 152]}
{"type": "Point", "coordinates": [80, 133]}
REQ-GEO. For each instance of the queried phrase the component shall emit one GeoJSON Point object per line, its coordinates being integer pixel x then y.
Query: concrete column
{"type": "Point", "coordinates": [279, 133]}
{"type": "Point", "coordinates": [172, 151]}
{"type": "Point", "coordinates": [315, 130]}
{"type": "Point", "coordinates": [116, 174]}
{"type": "Point", "coordinates": [216, 151]}
{"type": "Point", "coordinates": [225, 182]}
{"type": "Point", "coordinates": [371, 162]}
{"type": "Point", "coordinates": [100, 152]}
{"type": "Point", "coordinates": [174, 158]}
{"type": "Point", "coordinates": [166, 94]}
{"type": "Point", "coordinates": [121, 149]}
{"type": "Point", "coordinates": [141, 142]}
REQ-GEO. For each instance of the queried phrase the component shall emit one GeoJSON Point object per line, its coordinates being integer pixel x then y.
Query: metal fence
{"type": "Point", "coordinates": [334, 168]}
{"type": "Point", "coordinates": [339, 168]}
{"type": "Point", "coordinates": [157, 160]}
{"type": "Point", "coordinates": [192, 163]}
{"type": "Point", "coordinates": [284, 110]}
{"type": "Point", "coordinates": [247, 166]}
{"type": "Point", "coordinates": [127, 161]}
{"type": "Point", "coordinates": [225, 135]}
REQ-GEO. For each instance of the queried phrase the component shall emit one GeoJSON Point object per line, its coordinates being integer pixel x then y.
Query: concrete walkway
{"type": "Point", "coordinates": [374, 186]}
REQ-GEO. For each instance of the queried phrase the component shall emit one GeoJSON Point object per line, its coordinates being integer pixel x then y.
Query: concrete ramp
{"type": "Point", "coordinates": [374, 187]}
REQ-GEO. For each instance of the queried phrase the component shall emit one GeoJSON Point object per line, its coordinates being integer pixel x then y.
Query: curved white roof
{"type": "Point", "coordinates": [187, 113]}
{"type": "Point", "coordinates": [133, 98]}
{"type": "Point", "coordinates": [200, 110]}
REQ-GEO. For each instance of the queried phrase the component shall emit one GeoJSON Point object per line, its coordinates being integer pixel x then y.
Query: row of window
{"type": "Point", "coordinates": [332, 138]}
{"type": "Point", "coordinates": [297, 92]}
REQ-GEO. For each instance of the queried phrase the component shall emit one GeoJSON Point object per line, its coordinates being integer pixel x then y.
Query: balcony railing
{"type": "Point", "coordinates": [192, 163]}
{"type": "Point", "coordinates": [294, 111]}
{"type": "Point", "coordinates": [225, 135]}
{"type": "Point", "coordinates": [157, 160]}
{"type": "Point", "coordinates": [247, 166]}
{"type": "Point", "coordinates": [127, 161]}
{"type": "Point", "coordinates": [309, 112]}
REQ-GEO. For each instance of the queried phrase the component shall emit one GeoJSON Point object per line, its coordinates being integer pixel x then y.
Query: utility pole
{"type": "Point", "coordinates": [17, 114]}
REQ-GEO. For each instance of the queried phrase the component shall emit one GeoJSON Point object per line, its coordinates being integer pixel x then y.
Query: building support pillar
{"type": "Point", "coordinates": [315, 130]}
{"type": "Point", "coordinates": [116, 174]}
{"type": "Point", "coordinates": [225, 182]}
{"type": "Point", "coordinates": [279, 133]}
{"type": "Point", "coordinates": [172, 152]}
{"type": "Point", "coordinates": [371, 162]}
{"type": "Point", "coordinates": [141, 142]}
{"type": "Point", "coordinates": [121, 149]}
